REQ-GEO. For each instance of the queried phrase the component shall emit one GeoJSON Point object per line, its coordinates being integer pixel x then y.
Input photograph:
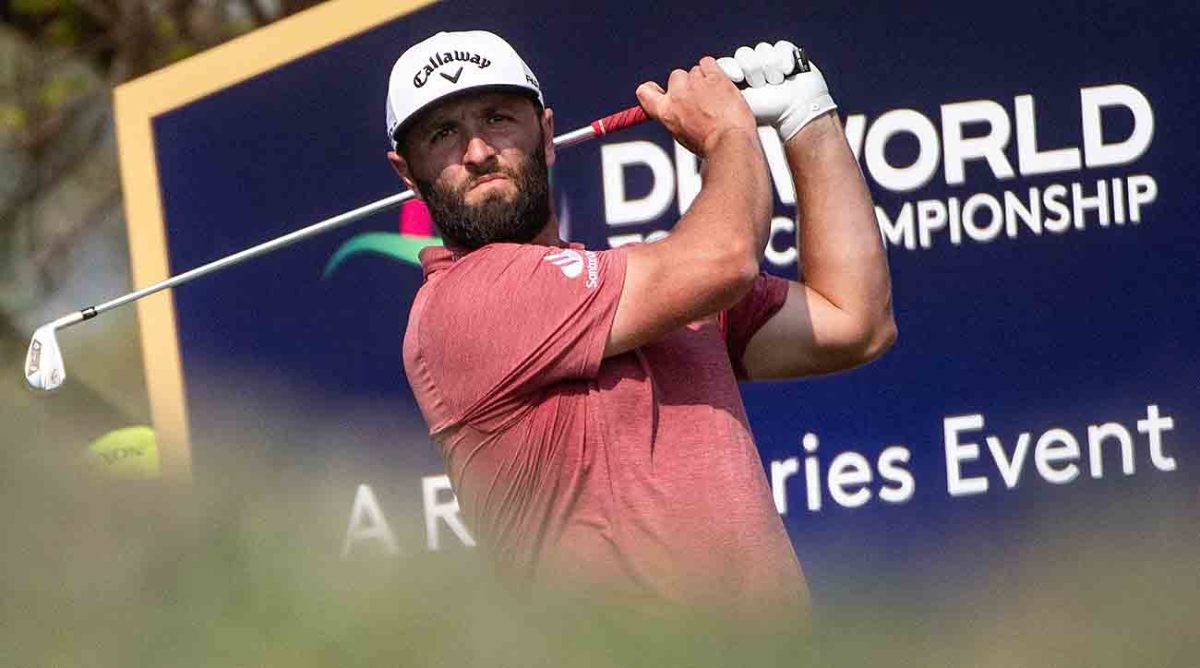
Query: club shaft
{"type": "Point", "coordinates": [261, 249]}
{"type": "Point", "coordinates": [609, 124]}
{"type": "Point", "coordinates": [288, 239]}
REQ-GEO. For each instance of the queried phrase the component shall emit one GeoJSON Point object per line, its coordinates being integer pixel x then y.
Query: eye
{"type": "Point", "coordinates": [440, 133]}
{"type": "Point", "coordinates": [499, 117]}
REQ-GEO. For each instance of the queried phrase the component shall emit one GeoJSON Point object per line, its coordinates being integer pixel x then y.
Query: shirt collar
{"type": "Point", "coordinates": [436, 258]}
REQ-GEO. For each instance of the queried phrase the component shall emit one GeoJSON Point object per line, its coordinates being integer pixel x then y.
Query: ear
{"type": "Point", "coordinates": [402, 169]}
{"type": "Point", "coordinates": [548, 135]}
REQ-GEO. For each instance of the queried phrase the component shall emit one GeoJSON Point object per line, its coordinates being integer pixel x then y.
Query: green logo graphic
{"type": "Point", "coordinates": [403, 247]}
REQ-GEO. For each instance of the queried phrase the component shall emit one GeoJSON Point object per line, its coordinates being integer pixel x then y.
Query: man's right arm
{"type": "Point", "coordinates": [712, 256]}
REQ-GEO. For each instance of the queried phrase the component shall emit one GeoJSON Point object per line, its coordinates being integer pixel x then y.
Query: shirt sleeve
{"type": "Point", "coordinates": [740, 322]}
{"type": "Point", "coordinates": [511, 319]}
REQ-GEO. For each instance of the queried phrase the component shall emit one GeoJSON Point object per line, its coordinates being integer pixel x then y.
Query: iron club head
{"type": "Point", "coordinates": [44, 363]}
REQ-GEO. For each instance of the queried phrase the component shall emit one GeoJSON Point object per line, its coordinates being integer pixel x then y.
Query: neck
{"type": "Point", "coordinates": [549, 234]}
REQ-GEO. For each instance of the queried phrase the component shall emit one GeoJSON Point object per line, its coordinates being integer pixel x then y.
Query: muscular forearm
{"type": "Point", "coordinates": [732, 212]}
{"type": "Point", "coordinates": [840, 252]}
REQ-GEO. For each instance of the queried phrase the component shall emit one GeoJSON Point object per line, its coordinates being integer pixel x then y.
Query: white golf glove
{"type": "Point", "coordinates": [779, 94]}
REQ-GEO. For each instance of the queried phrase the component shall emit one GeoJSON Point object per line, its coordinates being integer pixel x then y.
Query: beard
{"type": "Point", "coordinates": [495, 219]}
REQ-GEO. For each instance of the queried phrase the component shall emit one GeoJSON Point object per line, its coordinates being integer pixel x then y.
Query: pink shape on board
{"type": "Point", "coordinates": [415, 219]}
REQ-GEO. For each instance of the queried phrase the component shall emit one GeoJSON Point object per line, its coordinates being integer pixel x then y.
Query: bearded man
{"type": "Point", "coordinates": [586, 402]}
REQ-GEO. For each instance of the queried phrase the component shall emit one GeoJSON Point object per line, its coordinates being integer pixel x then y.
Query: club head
{"type": "Point", "coordinates": [44, 363]}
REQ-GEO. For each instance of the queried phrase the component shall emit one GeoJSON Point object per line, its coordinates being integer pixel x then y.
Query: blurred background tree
{"type": "Point", "coordinates": [62, 228]}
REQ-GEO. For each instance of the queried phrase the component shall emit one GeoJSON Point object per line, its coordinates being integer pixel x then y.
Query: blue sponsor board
{"type": "Point", "coordinates": [1033, 172]}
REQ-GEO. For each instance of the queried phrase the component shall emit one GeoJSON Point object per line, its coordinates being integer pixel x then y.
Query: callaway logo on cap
{"type": "Point", "coordinates": [452, 57]}
{"type": "Point", "coordinates": [450, 63]}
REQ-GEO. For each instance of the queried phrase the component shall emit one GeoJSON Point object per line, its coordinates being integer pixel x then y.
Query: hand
{"type": "Point", "coordinates": [698, 106]}
{"type": "Point", "coordinates": [779, 94]}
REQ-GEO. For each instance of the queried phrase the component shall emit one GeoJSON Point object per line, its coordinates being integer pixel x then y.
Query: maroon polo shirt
{"type": "Point", "coordinates": [637, 471]}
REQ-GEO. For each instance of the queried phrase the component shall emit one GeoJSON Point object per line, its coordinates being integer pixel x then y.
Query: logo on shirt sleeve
{"type": "Point", "coordinates": [593, 278]}
{"type": "Point", "coordinates": [569, 261]}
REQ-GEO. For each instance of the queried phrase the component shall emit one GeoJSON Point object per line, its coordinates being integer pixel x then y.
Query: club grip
{"type": "Point", "coordinates": [802, 66]}
{"type": "Point", "coordinates": [619, 121]}
{"type": "Point", "coordinates": [636, 115]}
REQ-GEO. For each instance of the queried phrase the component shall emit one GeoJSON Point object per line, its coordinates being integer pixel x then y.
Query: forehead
{"type": "Point", "coordinates": [470, 104]}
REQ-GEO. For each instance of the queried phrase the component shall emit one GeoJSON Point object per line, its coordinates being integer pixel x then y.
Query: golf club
{"type": "Point", "coordinates": [44, 368]}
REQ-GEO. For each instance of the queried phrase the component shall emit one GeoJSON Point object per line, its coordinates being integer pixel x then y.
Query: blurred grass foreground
{"type": "Point", "coordinates": [102, 571]}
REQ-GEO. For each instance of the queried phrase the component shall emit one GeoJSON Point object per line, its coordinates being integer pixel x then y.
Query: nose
{"type": "Point", "coordinates": [478, 152]}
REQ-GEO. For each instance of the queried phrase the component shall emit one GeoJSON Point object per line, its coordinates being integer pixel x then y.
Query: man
{"type": "Point", "coordinates": [585, 402]}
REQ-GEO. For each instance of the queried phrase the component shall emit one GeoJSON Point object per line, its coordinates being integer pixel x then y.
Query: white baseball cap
{"type": "Point", "coordinates": [450, 63]}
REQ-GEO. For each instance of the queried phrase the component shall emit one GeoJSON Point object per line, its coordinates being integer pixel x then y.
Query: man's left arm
{"type": "Point", "coordinates": [839, 315]}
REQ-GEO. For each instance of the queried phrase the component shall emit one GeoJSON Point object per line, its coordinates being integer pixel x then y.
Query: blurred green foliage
{"type": "Point", "coordinates": [61, 22]}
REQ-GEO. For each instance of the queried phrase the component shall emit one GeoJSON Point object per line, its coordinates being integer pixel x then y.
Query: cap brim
{"type": "Point", "coordinates": [398, 133]}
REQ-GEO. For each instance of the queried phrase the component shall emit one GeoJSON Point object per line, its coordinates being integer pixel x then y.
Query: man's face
{"type": "Point", "coordinates": [480, 162]}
